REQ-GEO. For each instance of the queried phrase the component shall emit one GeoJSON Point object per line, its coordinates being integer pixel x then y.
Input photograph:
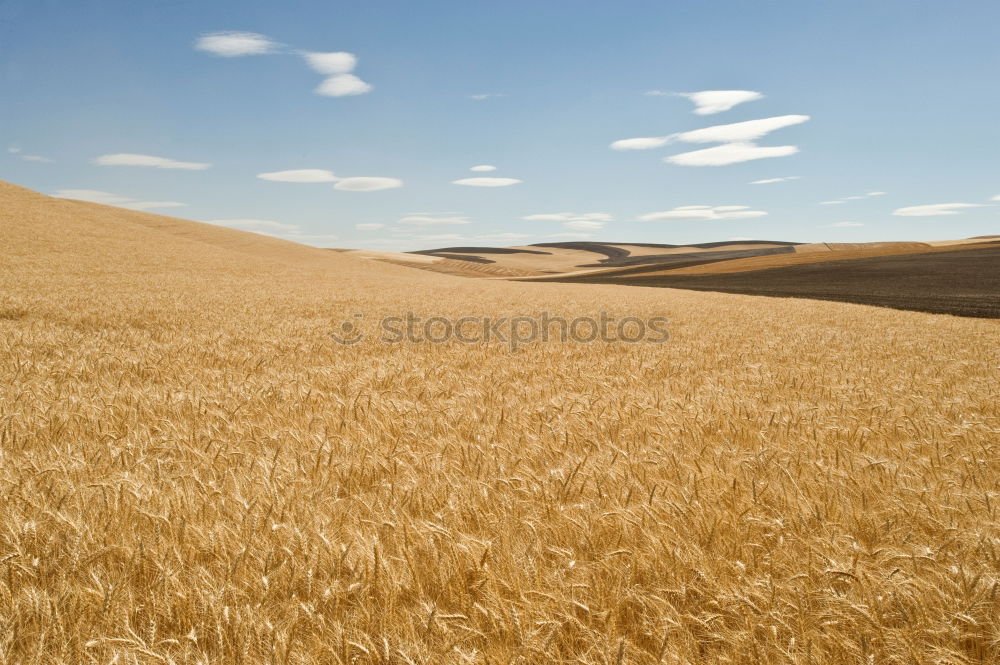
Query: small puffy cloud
{"type": "Point", "coordinates": [369, 227]}
{"type": "Point", "coordinates": [429, 220]}
{"type": "Point", "coordinates": [996, 198]}
{"type": "Point", "coordinates": [935, 209]}
{"type": "Point", "coordinates": [130, 159]}
{"type": "Point", "coordinates": [486, 182]}
{"type": "Point", "coordinates": [331, 64]}
{"type": "Point", "coordinates": [234, 44]}
{"type": "Point", "coordinates": [299, 175]}
{"type": "Point", "coordinates": [367, 184]}
{"type": "Point", "coordinates": [701, 212]}
{"type": "Point", "coordinates": [343, 85]}
{"type": "Point", "coordinates": [708, 102]}
{"type": "Point", "coordinates": [875, 194]}
{"type": "Point", "coordinates": [483, 168]}
{"type": "Point", "coordinates": [641, 143]}
{"type": "Point", "coordinates": [846, 224]}
{"type": "Point", "coordinates": [730, 153]}
{"type": "Point", "coordinates": [107, 198]}
{"type": "Point", "coordinates": [769, 181]}
{"type": "Point", "coordinates": [249, 224]}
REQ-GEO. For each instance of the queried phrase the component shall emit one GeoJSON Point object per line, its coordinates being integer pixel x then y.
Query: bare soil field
{"type": "Point", "coordinates": [192, 471]}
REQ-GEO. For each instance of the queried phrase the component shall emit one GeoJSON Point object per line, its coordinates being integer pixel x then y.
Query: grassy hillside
{"type": "Point", "coordinates": [192, 471]}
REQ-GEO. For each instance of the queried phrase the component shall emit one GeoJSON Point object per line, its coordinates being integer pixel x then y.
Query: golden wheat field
{"type": "Point", "coordinates": [192, 471]}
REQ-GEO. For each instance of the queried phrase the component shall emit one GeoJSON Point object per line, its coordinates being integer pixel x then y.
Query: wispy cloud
{"type": "Point", "coordinates": [483, 168]}
{"type": "Point", "coordinates": [486, 182]}
{"type": "Point", "coordinates": [658, 93]}
{"type": "Point", "coordinates": [483, 96]}
{"type": "Point", "coordinates": [107, 198]}
{"type": "Point", "coordinates": [131, 159]}
{"type": "Point", "coordinates": [935, 209]}
{"type": "Point", "coordinates": [367, 183]}
{"type": "Point", "coordinates": [641, 143]}
{"type": "Point", "coordinates": [300, 175]}
{"type": "Point", "coordinates": [234, 44]}
{"type": "Point", "coordinates": [708, 102]}
{"type": "Point", "coordinates": [737, 141]}
{"type": "Point", "coordinates": [36, 158]}
{"type": "Point", "coordinates": [846, 224]}
{"type": "Point", "coordinates": [701, 212]}
{"type": "Point", "coordinates": [369, 227]}
{"type": "Point", "coordinates": [430, 220]}
{"type": "Point", "coordinates": [769, 181]}
{"type": "Point", "coordinates": [996, 198]}
{"type": "Point", "coordinates": [730, 153]}
{"type": "Point", "coordinates": [13, 150]}
{"type": "Point", "coordinates": [748, 130]}
{"type": "Point", "coordinates": [851, 198]}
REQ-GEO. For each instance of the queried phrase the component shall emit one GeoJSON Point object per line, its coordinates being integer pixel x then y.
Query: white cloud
{"type": "Point", "coordinates": [730, 153]}
{"type": "Point", "coordinates": [846, 224]}
{"type": "Point", "coordinates": [737, 139]}
{"type": "Point", "coordinates": [331, 64]}
{"type": "Point", "coordinates": [426, 220]}
{"type": "Point", "coordinates": [657, 93]}
{"type": "Point", "coordinates": [768, 181]}
{"type": "Point", "coordinates": [299, 175]}
{"type": "Point", "coordinates": [367, 184]}
{"type": "Point", "coordinates": [486, 95]}
{"type": "Point", "coordinates": [233, 44]}
{"type": "Point", "coordinates": [486, 182]}
{"type": "Point", "coordinates": [740, 131]}
{"type": "Point", "coordinates": [996, 198]}
{"type": "Point", "coordinates": [482, 168]}
{"type": "Point", "coordinates": [642, 143]}
{"type": "Point", "coordinates": [850, 198]}
{"type": "Point", "coordinates": [708, 102]}
{"type": "Point", "coordinates": [738, 238]}
{"type": "Point", "coordinates": [935, 209]}
{"type": "Point", "coordinates": [12, 150]}
{"type": "Point", "coordinates": [343, 85]}
{"type": "Point", "coordinates": [255, 224]}
{"type": "Point", "coordinates": [36, 158]}
{"type": "Point", "coordinates": [107, 198]}
{"type": "Point", "coordinates": [703, 213]}
{"type": "Point", "coordinates": [369, 227]}
{"type": "Point", "coordinates": [129, 159]}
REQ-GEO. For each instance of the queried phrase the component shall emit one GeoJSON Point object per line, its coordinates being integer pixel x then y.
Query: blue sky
{"type": "Point", "coordinates": [145, 104]}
